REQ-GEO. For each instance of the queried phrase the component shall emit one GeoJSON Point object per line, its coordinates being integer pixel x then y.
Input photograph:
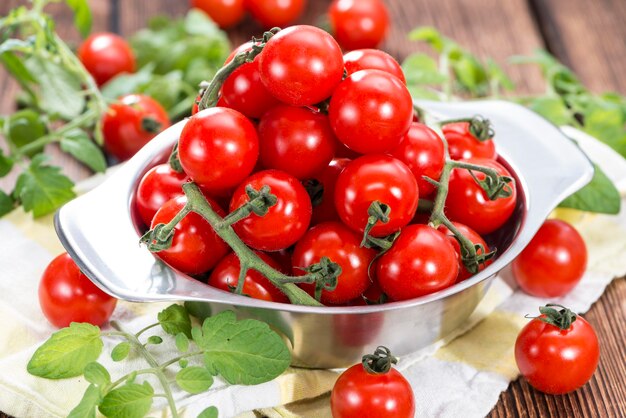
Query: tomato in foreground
{"type": "Point", "coordinates": [66, 295]}
{"type": "Point", "coordinates": [130, 123]}
{"type": "Point", "coordinates": [372, 59]}
{"type": "Point", "coordinates": [372, 389]}
{"type": "Point", "coordinates": [275, 13]}
{"type": "Point", "coordinates": [358, 23]}
{"type": "Point", "coordinates": [554, 261]}
{"type": "Point", "coordinates": [462, 144]}
{"type": "Point", "coordinates": [156, 187]}
{"type": "Point", "coordinates": [106, 55]}
{"type": "Point", "coordinates": [557, 352]}
{"type": "Point", "coordinates": [225, 13]}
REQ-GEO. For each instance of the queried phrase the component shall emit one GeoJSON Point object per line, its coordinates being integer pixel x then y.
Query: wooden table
{"type": "Point", "coordinates": [589, 37]}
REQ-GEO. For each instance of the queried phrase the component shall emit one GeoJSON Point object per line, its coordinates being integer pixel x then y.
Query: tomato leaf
{"type": "Point", "coordinates": [25, 127]}
{"type": "Point", "coordinates": [182, 342]}
{"type": "Point", "coordinates": [210, 412]}
{"type": "Point", "coordinates": [194, 379]}
{"type": "Point", "coordinates": [78, 144]}
{"type": "Point", "coordinates": [42, 188]}
{"type": "Point", "coordinates": [96, 373]}
{"type": "Point", "coordinates": [600, 196]}
{"type": "Point", "coordinates": [120, 351]}
{"type": "Point", "coordinates": [129, 401]}
{"type": "Point", "coordinates": [420, 69]}
{"type": "Point", "coordinates": [6, 203]}
{"type": "Point", "coordinates": [175, 319]}
{"type": "Point", "coordinates": [86, 408]}
{"type": "Point", "coordinates": [552, 108]}
{"type": "Point", "coordinates": [6, 164]}
{"type": "Point", "coordinates": [82, 16]}
{"type": "Point", "coordinates": [67, 352]}
{"type": "Point", "coordinates": [199, 310]}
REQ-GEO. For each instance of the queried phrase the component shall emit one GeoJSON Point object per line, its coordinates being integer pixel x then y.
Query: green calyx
{"type": "Point", "coordinates": [562, 318]}
{"type": "Point", "coordinates": [380, 362]}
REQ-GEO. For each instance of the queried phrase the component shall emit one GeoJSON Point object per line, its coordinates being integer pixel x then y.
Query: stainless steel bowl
{"type": "Point", "coordinates": [99, 230]}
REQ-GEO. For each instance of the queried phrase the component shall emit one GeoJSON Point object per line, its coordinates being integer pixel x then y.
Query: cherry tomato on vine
{"type": "Point", "coordinates": [196, 248]}
{"type": "Point", "coordinates": [379, 178]}
{"type": "Point", "coordinates": [554, 261]}
{"type": "Point", "coordinates": [342, 246]}
{"type": "Point", "coordinates": [468, 203]}
{"type": "Point", "coordinates": [371, 111]}
{"type": "Point", "coordinates": [365, 390]}
{"type": "Point", "coordinates": [295, 140]}
{"type": "Point", "coordinates": [218, 148]}
{"type": "Point", "coordinates": [156, 187]}
{"type": "Point", "coordinates": [130, 123]}
{"type": "Point", "coordinates": [422, 151]}
{"type": "Point", "coordinates": [462, 144]}
{"type": "Point", "coordinates": [372, 59]}
{"type": "Point", "coordinates": [284, 223]}
{"type": "Point", "coordinates": [472, 236]}
{"type": "Point", "coordinates": [324, 209]}
{"type": "Point", "coordinates": [106, 55]}
{"type": "Point", "coordinates": [557, 356]}
{"type": "Point", "coordinates": [301, 65]}
{"type": "Point", "coordinates": [275, 13]}
{"type": "Point", "coordinates": [421, 261]}
{"type": "Point", "coordinates": [225, 276]}
{"type": "Point", "coordinates": [226, 13]}
{"type": "Point", "coordinates": [358, 24]}
{"type": "Point", "coordinates": [66, 295]}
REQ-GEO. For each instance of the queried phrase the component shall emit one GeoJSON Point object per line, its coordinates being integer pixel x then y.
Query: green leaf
{"type": "Point", "coordinates": [175, 319]}
{"type": "Point", "coordinates": [25, 127]}
{"type": "Point", "coordinates": [551, 108]}
{"type": "Point", "coordinates": [78, 144]}
{"type": "Point", "coordinates": [129, 401]}
{"type": "Point", "coordinates": [497, 74]}
{"type": "Point", "coordinates": [155, 339]}
{"type": "Point", "coordinates": [42, 188]}
{"type": "Point", "coordinates": [182, 342]}
{"type": "Point", "coordinates": [6, 164]}
{"type": "Point", "coordinates": [605, 121]}
{"type": "Point", "coordinates": [199, 310]}
{"type": "Point", "coordinates": [194, 379]}
{"type": "Point", "coordinates": [429, 35]}
{"type": "Point", "coordinates": [210, 412]}
{"type": "Point", "coordinates": [471, 74]}
{"type": "Point", "coordinates": [128, 83]}
{"type": "Point", "coordinates": [420, 69]}
{"type": "Point", "coordinates": [86, 408]}
{"type": "Point", "coordinates": [6, 203]}
{"type": "Point", "coordinates": [599, 196]}
{"type": "Point", "coordinates": [183, 362]}
{"type": "Point", "coordinates": [418, 92]}
{"type": "Point", "coordinates": [96, 373]}
{"type": "Point", "coordinates": [120, 351]}
{"type": "Point", "coordinates": [242, 352]}
{"type": "Point", "coordinates": [82, 16]}
{"type": "Point", "coordinates": [67, 352]}
{"type": "Point", "coordinates": [198, 23]}
{"type": "Point", "coordinates": [16, 45]}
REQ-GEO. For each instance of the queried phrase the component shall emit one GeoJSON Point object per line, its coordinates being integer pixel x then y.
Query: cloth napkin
{"type": "Point", "coordinates": [474, 365]}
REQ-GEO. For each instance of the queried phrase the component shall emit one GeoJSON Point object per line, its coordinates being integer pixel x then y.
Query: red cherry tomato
{"type": "Point", "coordinates": [156, 187]}
{"type": "Point", "coordinates": [196, 248]}
{"type": "Point", "coordinates": [422, 151]}
{"type": "Point", "coordinates": [463, 145]}
{"type": "Point", "coordinates": [225, 276]}
{"type": "Point", "coordinates": [226, 13]}
{"type": "Point", "coordinates": [275, 13]}
{"type": "Point", "coordinates": [285, 222]}
{"type": "Point", "coordinates": [342, 246]}
{"type": "Point", "coordinates": [371, 111]}
{"type": "Point", "coordinates": [358, 24]}
{"type": "Point", "coordinates": [106, 55]}
{"type": "Point", "coordinates": [218, 148]}
{"type": "Point", "coordinates": [301, 65]}
{"type": "Point", "coordinates": [554, 261]}
{"type": "Point", "coordinates": [324, 210]}
{"type": "Point", "coordinates": [472, 236]}
{"type": "Point", "coordinates": [295, 140]}
{"type": "Point", "coordinates": [468, 203]}
{"type": "Point", "coordinates": [195, 106]}
{"type": "Point", "coordinates": [376, 178]}
{"type": "Point", "coordinates": [130, 123]}
{"type": "Point", "coordinates": [66, 295]}
{"type": "Point", "coordinates": [421, 261]}
{"type": "Point", "coordinates": [556, 360]}
{"type": "Point", "coordinates": [372, 59]}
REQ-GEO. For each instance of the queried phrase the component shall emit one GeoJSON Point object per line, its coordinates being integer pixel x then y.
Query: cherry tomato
{"type": "Point", "coordinates": [421, 261]}
{"type": "Point", "coordinates": [371, 111]}
{"type": "Point", "coordinates": [358, 24]}
{"type": "Point", "coordinates": [554, 261]}
{"type": "Point", "coordinates": [218, 148]}
{"type": "Point", "coordinates": [472, 236]}
{"type": "Point", "coordinates": [361, 393]}
{"type": "Point", "coordinates": [226, 13]}
{"type": "Point", "coordinates": [463, 145]}
{"type": "Point", "coordinates": [372, 59]}
{"type": "Point", "coordinates": [195, 106]}
{"type": "Point", "coordinates": [301, 65]}
{"type": "Point", "coordinates": [342, 246]}
{"type": "Point", "coordinates": [275, 13]}
{"type": "Point", "coordinates": [468, 203]}
{"type": "Point", "coordinates": [196, 248]}
{"type": "Point", "coordinates": [106, 55]}
{"type": "Point", "coordinates": [556, 360]}
{"type": "Point", "coordinates": [295, 140]}
{"type": "Point", "coordinates": [376, 178]}
{"type": "Point", "coordinates": [156, 187]}
{"type": "Point", "coordinates": [130, 123]}
{"type": "Point", "coordinates": [66, 295]}
{"type": "Point", "coordinates": [422, 151]}
{"type": "Point", "coordinates": [324, 210]}
{"type": "Point", "coordinates": [225, 276]}
{"type": "Point", "coordinates": [285, 222]}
